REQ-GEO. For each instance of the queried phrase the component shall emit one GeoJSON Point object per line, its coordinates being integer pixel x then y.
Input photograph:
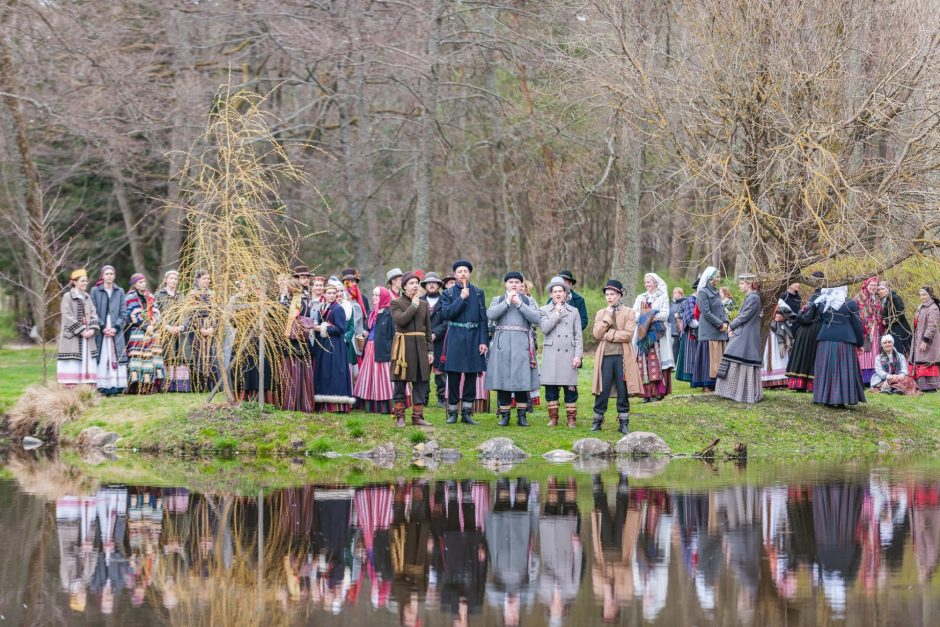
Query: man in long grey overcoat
{"type": "Point", "coordinates": [512, 369]}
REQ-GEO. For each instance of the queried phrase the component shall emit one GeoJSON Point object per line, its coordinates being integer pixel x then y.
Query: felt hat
{"type": "Point", "coordinates": [614, 284]}
{"type": "Point", "coordinates": [513, 274]}
{"type": "Point", "coordinates": [448, 277]}
{"type": "Point", "coordinates": [462, 262]}
{"type": "Point", "coordinates": [351, 274]}
{"type": "Point", "coordinates": [301, 270]}
{"type": "Point", "coordinates": [557, 281]}
{"type": "Point", "coordinates": [431, 277]}
{"type": "Point", "coordinates": [408, 276]}
{"type": "Point", "coordinates": [566, 274]}
{"type": "Point", "coordinates": [392, 274]}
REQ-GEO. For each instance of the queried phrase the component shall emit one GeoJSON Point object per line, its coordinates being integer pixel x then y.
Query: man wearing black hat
{"type": "Point", "coordinates": [512, 368]}
{"type": "Point", "coordinates": [432, 285]}
{"type": "Point", "coordinates": [465, 343]}
{"type": "Point", "coordinates": [574, 299]}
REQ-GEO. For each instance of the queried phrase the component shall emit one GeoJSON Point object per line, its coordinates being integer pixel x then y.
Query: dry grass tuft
{"type": "Point", "coordinates": [43, 409]}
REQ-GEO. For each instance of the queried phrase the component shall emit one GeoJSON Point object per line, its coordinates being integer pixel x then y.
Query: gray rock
{"type": "Point", "coordinates": [426, 450]}
{"type": "Point", "coordinates": [450, 455]}
{"type": "Point", "coordinates": [642, 444]}
{"type": "Point", "coordinates": [592, 447]}
{"type": "Point", "coordinates": [97, 438]}
{"type": "Point", "coordinates": [30, 443]}
{"type": "Point", "coordinates": [501, 450]}
{"type": "Point", "coordinates": [332, 455]}
{"type": "Point", "coordinates": [642, 468]}
{"type": "Point", "coordinates": [85, 437]}
{"type": "Point", "coordinates": [559, 455]}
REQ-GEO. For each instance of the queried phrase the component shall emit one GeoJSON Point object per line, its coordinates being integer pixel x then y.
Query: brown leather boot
{"type": "Point", "coordinates": [417, 417]}
{"type": "Point", "coordinates": [571, 409]}
{"type": "Point", "coordinates": [553, 413]}
{"type": "Point", "coordinates": [398, 410]}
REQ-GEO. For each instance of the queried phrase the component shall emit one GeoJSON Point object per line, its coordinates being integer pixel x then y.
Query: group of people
{"type": "Point", "coordinates": [381, 355]}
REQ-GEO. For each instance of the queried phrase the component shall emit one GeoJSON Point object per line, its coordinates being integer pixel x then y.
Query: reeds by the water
{"type": "Point", "coordinates": [44, 408]}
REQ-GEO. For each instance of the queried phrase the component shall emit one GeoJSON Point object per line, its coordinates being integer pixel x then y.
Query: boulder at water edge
{"type": "Point", "coordinates": [502, 450]}
{"type": "Point", "coordinates": [559, 455]}
{"type": "Point", "coordinates": [96, 437]}
{"type": "Point", "coordinates": [642, 444]}
{"type": "Point", "coordinates": [592, 447]}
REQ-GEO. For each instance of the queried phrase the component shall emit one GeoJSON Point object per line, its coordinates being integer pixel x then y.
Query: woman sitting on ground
{"type": "Point", "coordinates": [891, 371]}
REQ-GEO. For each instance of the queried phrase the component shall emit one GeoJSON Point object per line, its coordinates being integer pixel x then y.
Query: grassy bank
{"type": "Point", "coordinates": [784, 424]}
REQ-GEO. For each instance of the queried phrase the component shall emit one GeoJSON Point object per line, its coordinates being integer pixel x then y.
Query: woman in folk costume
{"type": "Point", "coordinates": [802, 362]}
{"type": "Point", "coordinates": [688, 339]}
{"type": "Point", "coordinates": [892, 373]}
{"type": "Point", "coordinates": [739, 372]}
{"type": "Point", "coordinates": [296, 391]}
{"type": "Point", "coordinates": [331, 370]}
{"type": "Point", "coordinates": [562, 352]}
{"type": "Point", "coordinates": [869, 310]}
{"type": "Point", "coordinates": [355, 330]}
{"type": "Point", "coordinates": [894, 320]}
{"type": "Point", "coordinates": [78, 355]}
{"type": "Point", "coordinates": [777, 348]}
{"type": "Point", "coordinates": [838, 379]}
{"type": "Point", "coordinates": [202, 323]}
{"type": "Point", "coordinates": [373, 389]}
{"type": "Point", "coordinates": [712, 331]}
{"type": "Point", "coordinates": [168, 301]}
{"type": "Point", "coordinates": [112, 318]}
{"type": "Point", "coordinates": [145, 371]}
{"type": "Point", "coordinates": [652, 341]}
{"type": "Point", "coordinates": [925, 353]}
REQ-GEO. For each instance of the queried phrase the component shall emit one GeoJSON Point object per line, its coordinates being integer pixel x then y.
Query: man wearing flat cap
{"type": "Point", "coordinates": [512, 367]}
{"type": "Point", "coordinates": [433, 286]}
{"type": "Point", "coordinates": [465, 343]}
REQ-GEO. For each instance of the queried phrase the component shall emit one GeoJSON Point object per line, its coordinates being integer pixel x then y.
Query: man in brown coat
{"type": "Point", "coordinates": [614, 362]}
{"type": "Point", "coordinates": [412, 351]}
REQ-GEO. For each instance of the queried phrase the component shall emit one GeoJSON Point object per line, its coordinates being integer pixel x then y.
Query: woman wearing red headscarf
{"type": "Point", "coordinates": [869, 310]}
{"type": "Point", "coordinates": [373, 389]}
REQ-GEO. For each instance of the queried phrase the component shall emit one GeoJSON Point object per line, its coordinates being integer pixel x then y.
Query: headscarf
{"type": "Point", "coordinates": [661, 288]}
{"type": "Point", "coordinates": [708, 276]}
{"type": "Point", "coordinates": [833, 297]}
{"type": "Point", "coordinates": [892, 364]}
{"type": "Point", "coordinates": [165, 276]}
{"type": "Point", "coordinates": [137, 276]}
{"type": "Point", "coordinates": [100, 280]}
{"type": "Point", "coordinates": [869, 306]}
{"type": "Point", "coordinates": [356, 294]}
{"type": "Point", "coordinates": [385, 299]}
{"type": "Point", "coordinates": [931, 294]}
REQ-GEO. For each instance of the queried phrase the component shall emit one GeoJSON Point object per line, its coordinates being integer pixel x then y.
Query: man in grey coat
{"type": "Point", "coordinates": [512, 368]}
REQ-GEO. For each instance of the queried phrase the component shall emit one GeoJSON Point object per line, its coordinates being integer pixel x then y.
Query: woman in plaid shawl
{"type": "Point", "coordinates": [145, 373]}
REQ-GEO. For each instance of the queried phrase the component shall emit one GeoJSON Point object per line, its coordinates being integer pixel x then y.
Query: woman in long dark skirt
{"type": "Point", "coordinates": [296, 391]}
{"type": "Point", "coordinates": [332, 379]}
{"type": "Point", "coordinates": [894, 319]}
{"type": "Point", "coordinates": [688, 339]}
{"type": "Point", "coordinates": [838, 377]}
{"type": "Point", "coordinates": [802, 360]}
{"type": "Point", "coordinates": [202, 324]}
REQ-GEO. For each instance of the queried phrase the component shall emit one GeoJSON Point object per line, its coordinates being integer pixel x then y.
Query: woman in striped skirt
{"type": "Point", "coordinates": [739, 372]}
{"type": "Point", "coordinates": [373, 389]}
{"type": "Point", "coordinates": [838, 378]}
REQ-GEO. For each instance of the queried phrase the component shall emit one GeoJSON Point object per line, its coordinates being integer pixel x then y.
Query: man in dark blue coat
{"type": "Point", "coordinates": [432, 285]}
{"type": "Point", "coordinates": [463, 306]}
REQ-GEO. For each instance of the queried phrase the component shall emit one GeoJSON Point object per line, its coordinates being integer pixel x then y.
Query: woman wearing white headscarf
{"type": "Point", "coordinates": [837, 377]}
{"type": "Point", "coordinates": [712, 331]}
{"type": "Point", "coordinates": [652, 340]}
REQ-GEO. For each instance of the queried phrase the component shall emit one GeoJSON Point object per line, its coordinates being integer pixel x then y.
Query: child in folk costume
{"type": "Point", "coordinates": [892, 373]}
{"type": "Point", "coordinates": [432, 296]}
{"type": "Point", "coordinates": [777, 348]}
{"type": "Point", "coordinates": [145, 371]}
{"type": "Point", "coordinates": [331, 377]}
{"type": "Point", "coordinates": [869, 311]}
{"type": "Point", "coordinates": [77, 359]}
{"type": "Point", "coordinates": [168, 301]}
{"type": "Point", "coordinates": [512, 369]}
{"type": "Point", "coordinates": [412, 351]}
{"type": "Point", "coordinates": [112, 318]}
{"type": "Point", "coordinates": [373, 389]}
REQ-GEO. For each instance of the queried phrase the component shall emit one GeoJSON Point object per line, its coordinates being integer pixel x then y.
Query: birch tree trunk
{"type": "Point", "coordinates": [423, 174]}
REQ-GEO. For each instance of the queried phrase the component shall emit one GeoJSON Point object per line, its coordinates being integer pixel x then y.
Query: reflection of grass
{"type": "Point", "coordinates": [784, 424]}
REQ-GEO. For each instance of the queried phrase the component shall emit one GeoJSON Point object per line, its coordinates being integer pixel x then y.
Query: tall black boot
{"type": "Point", "coordinates": [452, 415]}
{"type": "Point", "coordinates": [598, 421]}
{"type": "Point", "coordinates": [521, 411]}
{"type": "Point", "coordinates": [465, 414]}
{"type": "Point", "coordinates": [502, 414]}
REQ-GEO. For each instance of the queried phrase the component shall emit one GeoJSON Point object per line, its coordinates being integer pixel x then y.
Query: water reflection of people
{"type": "Point", "coordinates": [739, 515]}
{"type": "Point", "coordinates": [701, 547]}
{"type": "Point", "coordinates": [560, 549]}
{"type": "Point", "coordinates": [836, 511]}
{"type": "Point", "coordinates": [510, 537]}
{"type": "Point", "coordinates": [614, 543]}
{"type": "Point", "coordinates": [411, 539]}
{"type": "Point", "coordinates": [925, 527]}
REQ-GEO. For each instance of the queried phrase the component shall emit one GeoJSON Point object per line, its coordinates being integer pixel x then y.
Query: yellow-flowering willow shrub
{"type": "Point", "coordinates": [236, 232]}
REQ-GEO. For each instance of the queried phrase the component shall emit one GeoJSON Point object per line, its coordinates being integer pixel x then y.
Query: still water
{"type": "Point", "coordinates": [691, 544]}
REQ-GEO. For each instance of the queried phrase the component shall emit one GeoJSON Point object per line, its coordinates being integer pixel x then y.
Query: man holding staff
{"type": "Point", "coordinates": [465, 344]}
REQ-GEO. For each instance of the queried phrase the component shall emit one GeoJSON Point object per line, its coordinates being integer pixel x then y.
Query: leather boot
{"type": "Point", "coordinates": [451, 415]}
{"type": "Point", "coordinates": [598, 421]}
{"type": "Point", "coordinates": [417, 417]}
{"type": "Point", "coordinates": [398, 410]}
{"type": "Point", "coordinates": [624, 423]}
{"type": "Point", "coordinates": [553, 413]}
{"type": "Point", "coordinates": [465, 414]}
{"type": "Point", "coordinates": [571, 409]}
{"type": "Point", "coordinates": [521, 411]}
{"type": "Point", "coordinates": [503, 415]}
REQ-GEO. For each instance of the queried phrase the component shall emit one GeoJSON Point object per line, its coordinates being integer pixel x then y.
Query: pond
{"type": "Point", "coordinates": [786, 543]}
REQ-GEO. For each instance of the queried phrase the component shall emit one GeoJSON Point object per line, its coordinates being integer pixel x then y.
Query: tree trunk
{"type": "Point", "coordinates": [424, 176]}
{"type": "Point", "coordinates": [119, 187]}
{"type": "Point", "coordinates": [625, 264]}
